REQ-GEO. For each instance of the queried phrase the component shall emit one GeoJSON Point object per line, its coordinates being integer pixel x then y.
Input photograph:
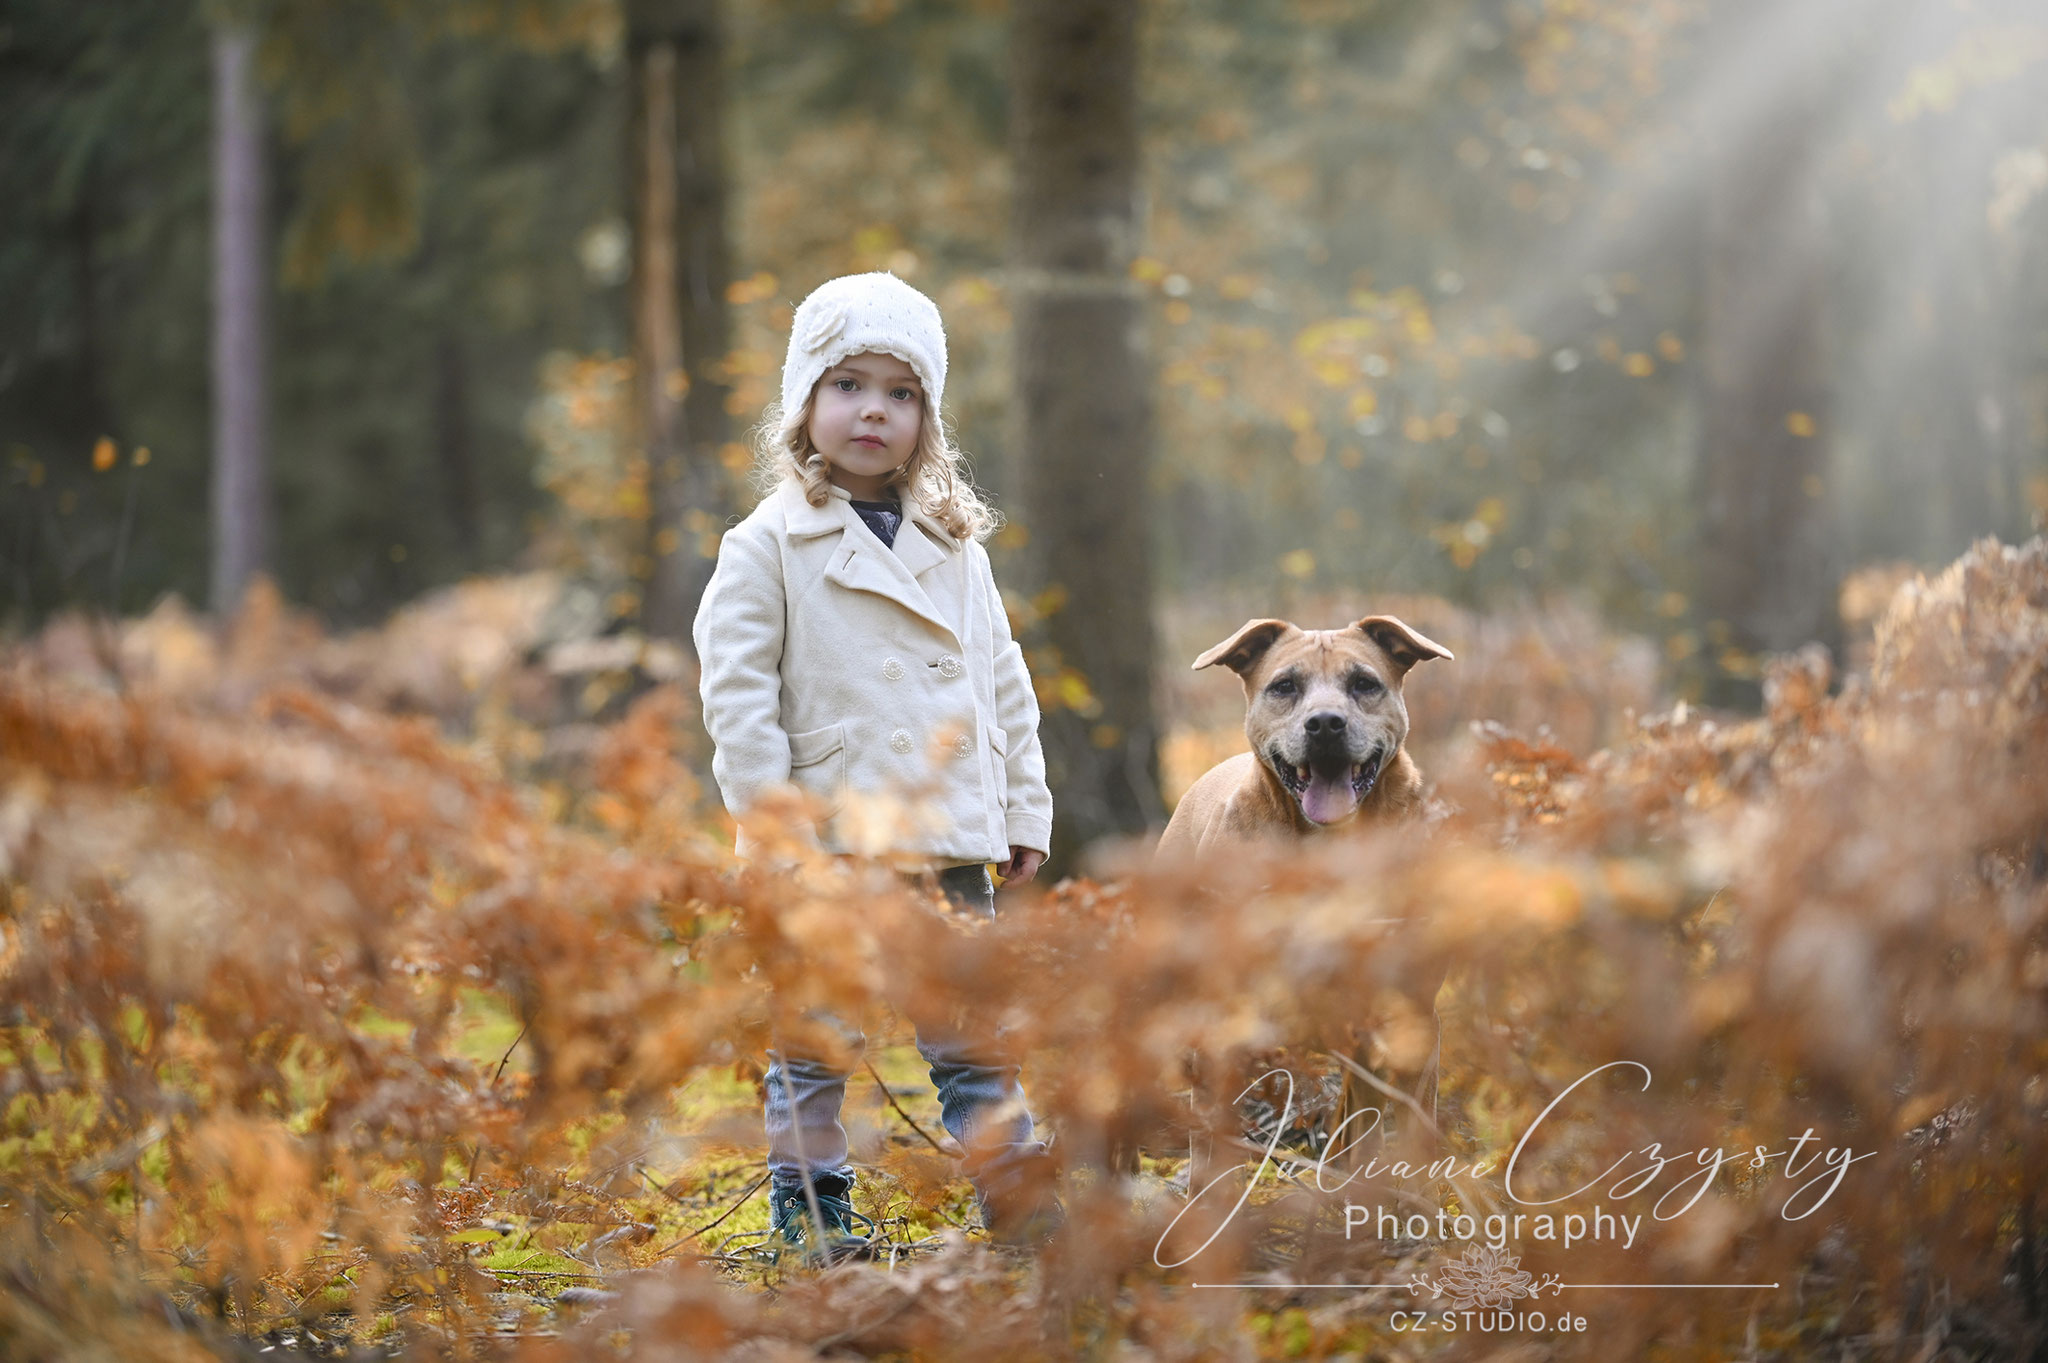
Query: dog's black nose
{"type": "Point", "coordinates": [1328, 724]}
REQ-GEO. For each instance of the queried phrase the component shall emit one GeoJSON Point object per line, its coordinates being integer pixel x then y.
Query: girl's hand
{"type": "Point", "coordinates": [1022, 865]}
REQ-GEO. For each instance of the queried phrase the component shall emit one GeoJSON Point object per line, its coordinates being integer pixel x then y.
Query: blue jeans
{"type": "Point", "coordinates": [981, 1099]}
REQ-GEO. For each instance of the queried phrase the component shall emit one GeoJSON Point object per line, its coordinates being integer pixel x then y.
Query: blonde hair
{"type": "Point", "coordinates": [935, 474]}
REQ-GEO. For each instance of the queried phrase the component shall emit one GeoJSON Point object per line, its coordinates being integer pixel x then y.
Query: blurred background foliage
{"type": "Point", "coordinates": [430, 194]}
{"type": "Point", "coordinates": [1425, 281]}
{"type": "Point", "coordinates": [1424, 277]}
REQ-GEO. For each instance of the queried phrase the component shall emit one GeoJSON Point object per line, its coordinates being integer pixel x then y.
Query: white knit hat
{"type": "Point", "coordinates": [857, 313]}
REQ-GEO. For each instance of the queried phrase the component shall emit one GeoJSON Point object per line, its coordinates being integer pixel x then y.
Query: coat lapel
{"type": "Point", "coordinates": [915, 547]}
{"type": "Point", "coordinates": [862, 562]}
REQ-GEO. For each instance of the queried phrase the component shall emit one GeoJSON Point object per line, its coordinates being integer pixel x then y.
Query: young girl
{"type": "Point", "coordinates": [853, 642]}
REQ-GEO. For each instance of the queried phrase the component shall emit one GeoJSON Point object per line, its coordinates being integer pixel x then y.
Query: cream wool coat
{"type": "Point", "coordinates": [853, 669]}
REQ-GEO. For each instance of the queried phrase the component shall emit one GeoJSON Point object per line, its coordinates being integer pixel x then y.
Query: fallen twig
{"type": "Point", "coordinates": [751, 1190]}
{"type": "Point", "coordinates": [869, 1065]}
{"type": "Point", "coordinates": [537, 1273]}
{"type": "Point", "coordinates": [506, 1058]}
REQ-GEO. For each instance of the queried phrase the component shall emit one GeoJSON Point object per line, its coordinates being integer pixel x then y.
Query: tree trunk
{"type": "Point", "coordinates": [1765, 584]}
{"type": "Point", "coordinates": [241, 480]}
{"type": "Point", "coordinates": [704, 273]}
{"type": "Point", "coordinates": [681, 265]}
{"type": "Point", "coordinates": [461, 496]}
{"type": "Point", "coordinates": [1083, 408]}
{"type": "Point", "coordinates": [93, 404]}
{"type": "Point", "coordinates": [1959, 378]}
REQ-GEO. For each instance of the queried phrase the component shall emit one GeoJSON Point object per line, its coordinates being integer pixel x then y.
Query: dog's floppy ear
{"type": "Point", "coordinates": [1404, 645]}
{"type": "Point", "coordinates": [1241, 651]}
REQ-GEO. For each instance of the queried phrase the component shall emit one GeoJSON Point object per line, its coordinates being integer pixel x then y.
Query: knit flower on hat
{"type": "Point", "coordinates": [823, 327]}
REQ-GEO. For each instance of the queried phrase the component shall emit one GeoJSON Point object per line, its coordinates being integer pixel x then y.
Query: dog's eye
{"type": "Point", "coordinates": [1365, 684]}
{"type": "Point", "coordinates": [1285, 686]}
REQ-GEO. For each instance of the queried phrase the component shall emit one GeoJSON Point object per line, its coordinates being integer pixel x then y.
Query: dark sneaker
{"type": "Point", "coordinates": [1026, 1224]}
{"type": "Point", "coordinates": [1016, 1194]}
{"type": "Point", "coordinates": [795, 1229]}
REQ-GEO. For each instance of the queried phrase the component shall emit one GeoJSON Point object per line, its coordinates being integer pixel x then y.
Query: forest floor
{"type": "Point", "coordinates": [396, 995]}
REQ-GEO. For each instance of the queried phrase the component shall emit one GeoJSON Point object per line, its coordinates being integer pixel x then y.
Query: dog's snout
{"type": "Point", "coordinates": [1327, 724]}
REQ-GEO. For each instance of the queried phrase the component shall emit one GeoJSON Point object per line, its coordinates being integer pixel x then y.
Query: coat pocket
{"type": "Point", "coordinates": [999, 743]}
{"type": "Point", "coordinates": [817, 764]}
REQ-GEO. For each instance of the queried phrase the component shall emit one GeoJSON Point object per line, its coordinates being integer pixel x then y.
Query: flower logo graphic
{"type": "Point", "coordinates": [1485, 1278]}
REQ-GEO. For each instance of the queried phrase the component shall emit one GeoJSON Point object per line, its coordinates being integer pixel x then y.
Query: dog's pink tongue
{"type": "Point", "coordinates": [1328, 798]}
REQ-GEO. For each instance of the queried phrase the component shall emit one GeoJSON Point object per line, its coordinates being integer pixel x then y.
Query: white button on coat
{"type": "Point", "coordinates": [893, 669]}
{"type": "Point", "coordinates": [804, 611]}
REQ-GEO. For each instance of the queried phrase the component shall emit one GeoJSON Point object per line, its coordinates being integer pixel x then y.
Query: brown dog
{"type": "Point", "coordinates": [1327, 727]}
{"type": "Point", "coordinates": [1326, 724]}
